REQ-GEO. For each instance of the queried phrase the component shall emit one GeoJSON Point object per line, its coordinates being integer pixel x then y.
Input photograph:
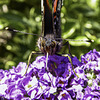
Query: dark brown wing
{"type": "Point", "coordinates": [47, 21]}
{"type": "Point", "coordinates": [57, 4]}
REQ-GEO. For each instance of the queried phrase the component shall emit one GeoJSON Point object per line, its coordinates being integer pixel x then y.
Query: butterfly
{"type": "Point", "coordinates": [50, 41]}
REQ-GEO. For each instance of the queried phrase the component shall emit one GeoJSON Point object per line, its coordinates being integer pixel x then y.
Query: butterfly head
{"type": "Point", "coordinates": [48, 44]}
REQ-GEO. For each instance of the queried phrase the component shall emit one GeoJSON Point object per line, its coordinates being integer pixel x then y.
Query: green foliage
{"type": "Point", "coordinates": [80, 20]}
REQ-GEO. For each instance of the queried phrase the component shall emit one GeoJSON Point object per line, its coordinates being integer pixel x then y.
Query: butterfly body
{"type": "Point", "coordinates": [50, 42]}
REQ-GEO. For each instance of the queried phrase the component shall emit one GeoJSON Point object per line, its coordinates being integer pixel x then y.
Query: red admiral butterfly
{"type": "Point", "coordinates": [50, 41]}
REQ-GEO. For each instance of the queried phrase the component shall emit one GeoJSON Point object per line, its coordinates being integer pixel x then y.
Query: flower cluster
{"type": "Point", "coordinates": [65, 78]}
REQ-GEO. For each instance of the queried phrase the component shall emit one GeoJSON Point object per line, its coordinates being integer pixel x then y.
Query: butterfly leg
{"type": "Point", "coordinates": [29, 59]}
{"type": "Point", "coordinates": [70, 56]}
{"type": "Point", "coordinates": [70, 60]}
{"type": "Point", "coordinates": [67, 44]}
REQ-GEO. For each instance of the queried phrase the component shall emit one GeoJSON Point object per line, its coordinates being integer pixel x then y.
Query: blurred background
{"type": "Point", "coordinates": [80, 19]}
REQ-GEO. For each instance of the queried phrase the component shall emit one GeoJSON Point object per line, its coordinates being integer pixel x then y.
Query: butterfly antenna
{"type": "Point", "coordinates": [80, 40]}
{"type": "Point", "coordinates": [13, 30]}
{"type": "Point", "coordinates": [77, 40]}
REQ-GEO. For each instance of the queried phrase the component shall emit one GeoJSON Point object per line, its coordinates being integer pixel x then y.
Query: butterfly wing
{"type": "Point", "coordinates": [47, 21]}
{"type": "Point", "coordinates": [57, 4]}
{"type": "Point", "coordinates": [51, 21]}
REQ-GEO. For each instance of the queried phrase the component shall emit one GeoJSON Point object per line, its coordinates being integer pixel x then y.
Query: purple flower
{"type": "Point", "coordinates": [91, 56]}
{"type": "Point", "coordinates": [15, 93]}
{"type": "Point", "coordinates": [3, 88]}
{"type": "Point", "coordinates": [89, 97]}
{"type": "Point", "coordinates": [20, 69]}
{"type": "Point", "coordinates": [1, 74]}
{"type": "Point", "coordinates": [61, 82]}
{"type": "Point", "coordinates": [91, 94]}
{"type": "Point", "coordinates": [76, 62]}
{"type": "Point", "coordinates": [64, 95]}
{"type": "Point", "coordinates": [66, 78]}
